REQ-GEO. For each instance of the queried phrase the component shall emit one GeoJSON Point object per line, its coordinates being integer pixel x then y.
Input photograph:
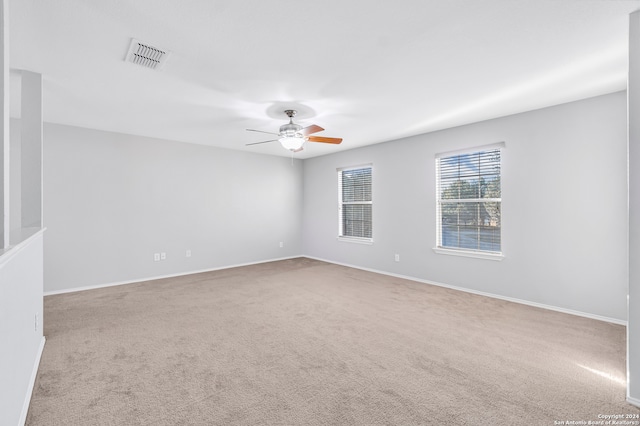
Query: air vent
{"type": "Point", "coordinates": [146, 55]}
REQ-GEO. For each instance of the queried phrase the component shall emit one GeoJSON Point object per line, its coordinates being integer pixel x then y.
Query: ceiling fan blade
{"type": "Point", "coordinates": [260, 131]}
{"type": "Point", "coordinates": [311, 129]}
{"type": "Point", "coordinates": [257, 143]}
{"type": "Point", "coordinates": [324, 139]}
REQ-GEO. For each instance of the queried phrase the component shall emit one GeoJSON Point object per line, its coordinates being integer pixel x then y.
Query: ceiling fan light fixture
{"type": "Point", "coordinates": [292, 143]}
{"type": "Point", "coordinates": [292, 136]}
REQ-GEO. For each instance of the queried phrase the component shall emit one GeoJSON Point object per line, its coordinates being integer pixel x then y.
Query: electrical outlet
{"type": "Point", "coordinates": [188, 253]}
{"type": "Point", "coordinates": [281, 244]}
{"type": "Point", "coordinates": [397, 258]}
{"type": "Point", "coordinates": [163, 256]}
{"type": "Point", "coordinates": [156, 257]}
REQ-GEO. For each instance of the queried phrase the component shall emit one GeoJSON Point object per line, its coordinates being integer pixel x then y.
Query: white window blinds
{"type": "Point", "coordinates": [355, 202]}
{"type": "Point", "coordinates": [469, 201]}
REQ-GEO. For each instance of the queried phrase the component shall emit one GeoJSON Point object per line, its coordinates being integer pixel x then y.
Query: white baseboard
{"type": "Point", "coordinates": [633, 401]}
{"type": "Point", "coordinates": [32, 382]}
{"type": "Point", "coordinates": [482, 293]}
{"type": "Point", "coordinates": [159, 277]}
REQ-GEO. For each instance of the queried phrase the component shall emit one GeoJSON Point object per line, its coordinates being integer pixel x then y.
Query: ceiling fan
{"type": "Point", "coordinates": [293, 136]}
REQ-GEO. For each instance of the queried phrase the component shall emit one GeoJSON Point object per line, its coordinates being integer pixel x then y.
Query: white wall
{"type": "Point", "coordinates": [21, 264]}
{"type": "Point", "coordinates": [564, 208]}
{"type": "Point", "coordinates": [21, 340]}
{"type": "Point", "coordinates": [633, 329]}
{"type": "Point", "coordinates": [113, 200]}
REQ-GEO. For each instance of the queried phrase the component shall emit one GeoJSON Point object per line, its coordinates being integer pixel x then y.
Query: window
{"type": "Point", "coordinates": [354, 198]}
{"type": "Point", "coordinates": [469, 201]}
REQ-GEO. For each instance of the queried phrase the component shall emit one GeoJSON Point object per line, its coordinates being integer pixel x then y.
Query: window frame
{"type": "Point", "coordinates": [459, 251]}
{"type": "Point", "coordinates": [341, 203]}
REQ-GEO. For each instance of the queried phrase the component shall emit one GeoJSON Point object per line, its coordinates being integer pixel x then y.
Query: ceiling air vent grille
{"type": "Point", "coordinates": [146, 55]}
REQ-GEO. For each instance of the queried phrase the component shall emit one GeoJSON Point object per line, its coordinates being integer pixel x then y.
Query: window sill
{"type": "Point", "coordinates": [469, 253]}
{"type": "Point", "coordinates": [367, 241]}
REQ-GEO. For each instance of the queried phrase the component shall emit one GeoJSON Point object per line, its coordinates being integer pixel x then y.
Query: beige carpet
{"type": "Point", "coordinates": [302, 342]}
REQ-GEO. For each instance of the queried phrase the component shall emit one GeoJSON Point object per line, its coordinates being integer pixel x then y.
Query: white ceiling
{"type": "Point", "coordinates": [365, 71]}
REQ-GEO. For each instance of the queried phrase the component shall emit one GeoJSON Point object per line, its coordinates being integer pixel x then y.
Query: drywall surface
{"type": "Point", "coordinates": [112, 201]}
{"type": "Point", "coordinates": [564, 208]}
{"type": "Point", "coordinates": [633, 329]}
{"type": "Point", "coordinates": [15, 179]}
{"type": "Point", "coordinates": [20, 326]}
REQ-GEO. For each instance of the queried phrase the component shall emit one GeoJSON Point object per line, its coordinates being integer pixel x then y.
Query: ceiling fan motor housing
{"type": "Point", "coordinates": [290, 130]}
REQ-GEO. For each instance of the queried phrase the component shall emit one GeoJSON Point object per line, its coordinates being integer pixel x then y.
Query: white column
{"type": "Point", "coordinates": [633, 120]}
{"type": "Point", "coordinates": [15, 196]}
{"type": "Point", "coordinates": [4, 120]}
{"type": "Point", "coordinates": [31, 150]}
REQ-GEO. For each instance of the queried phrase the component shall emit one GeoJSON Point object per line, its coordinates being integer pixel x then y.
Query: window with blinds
{"type": "Point", "coordinates": [355, 203]}
{"type": "Point", "coordinates": [469, 201]}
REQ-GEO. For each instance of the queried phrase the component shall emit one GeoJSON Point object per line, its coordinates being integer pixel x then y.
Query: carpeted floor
{"type": "Point", "coordinates": [302, 342]}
